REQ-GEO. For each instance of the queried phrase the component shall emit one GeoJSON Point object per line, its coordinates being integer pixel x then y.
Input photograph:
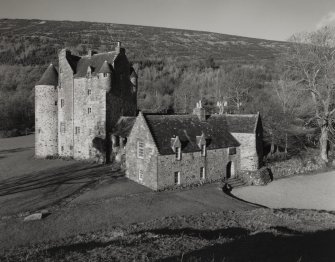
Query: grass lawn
{"type": "Point", "coordinates": [99, 215]}
{"type": "Point", "coordinates": [84, 197]}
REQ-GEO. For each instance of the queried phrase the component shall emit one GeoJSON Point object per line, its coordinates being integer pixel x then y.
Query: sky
{"type": "Point", "coordinates": [268, 19]}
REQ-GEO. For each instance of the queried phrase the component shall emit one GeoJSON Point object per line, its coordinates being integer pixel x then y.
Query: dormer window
{"type": "Point", "coordinates": [178, 153]}
{"type": "Point", "coordinates": [176, 147]}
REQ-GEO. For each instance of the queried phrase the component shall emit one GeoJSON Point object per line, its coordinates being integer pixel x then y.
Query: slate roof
{"type": "Point", "coordinates": [187, 127]}
{"type": "Point", "coordinates": [96, 61]}
{"type": "Point", "coordinates": [124, 126]}
{"type": "Point", "coordinates": [49, 77]}
{"type": "Point", "coordinates": [241, 123]}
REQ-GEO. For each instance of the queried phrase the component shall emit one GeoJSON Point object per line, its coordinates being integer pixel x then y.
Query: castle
{"type": "Point", "coordinates": [88, 110]}
{"type": "Point", "coordinates": [77, 107]}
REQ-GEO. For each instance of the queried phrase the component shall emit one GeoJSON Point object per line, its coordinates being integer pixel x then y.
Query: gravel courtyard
{"type": "Point", "coordinates": [306, 192]}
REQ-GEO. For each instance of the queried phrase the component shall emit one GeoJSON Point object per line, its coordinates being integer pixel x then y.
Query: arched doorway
{"type": "Point", "coordinates": [230, 172]}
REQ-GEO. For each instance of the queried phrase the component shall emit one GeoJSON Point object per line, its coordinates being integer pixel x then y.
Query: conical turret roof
{"type": "Point", "coordinates": [49, 77]}
{"type": "Point", "coordinates": [106, 68]}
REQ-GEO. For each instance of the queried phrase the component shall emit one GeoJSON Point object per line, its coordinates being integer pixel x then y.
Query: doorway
{"type": "Point", "coordinates": [230, 172]}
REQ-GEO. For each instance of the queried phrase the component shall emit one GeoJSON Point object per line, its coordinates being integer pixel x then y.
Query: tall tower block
{"type": "Point", "coordinates": [46, 116]}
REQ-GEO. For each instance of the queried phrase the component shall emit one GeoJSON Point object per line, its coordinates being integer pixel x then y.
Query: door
{"type": "Point", "coordinates": [230, 170]}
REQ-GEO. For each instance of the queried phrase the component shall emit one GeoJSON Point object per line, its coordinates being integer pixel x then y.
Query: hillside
{"type": "Point", "coordinates": [175, 67]}
{"type": "Point", "coordinates": [31, 42]}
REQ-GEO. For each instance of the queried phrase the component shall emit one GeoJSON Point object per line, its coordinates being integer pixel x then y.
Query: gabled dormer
{"type": "Point", "coordinates": [89, 71]}
{"type": "Point", "coordinates": [176, 147]}
{"type": "Point", "coordinates": [106, 69]}
{"type": "Point", "coordinates": [201, 143]}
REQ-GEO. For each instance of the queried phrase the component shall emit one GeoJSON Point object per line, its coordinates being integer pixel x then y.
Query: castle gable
{"type": "Point", "coordinates": [242, 123]}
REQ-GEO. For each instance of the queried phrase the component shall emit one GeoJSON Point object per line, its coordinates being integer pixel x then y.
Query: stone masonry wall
{"type": "Point", "coordinates": [249, 156]}
{"type": "Point", "coordinates": [148, 164]}
{"type": "Point", "coordinates": [46, 141]}
{"type": "Point", "coordinates": [89, 116]}
{"type": "Point", "coordinates": [65, 112]}
{"type": "Point", "coordinates": [215, 163]}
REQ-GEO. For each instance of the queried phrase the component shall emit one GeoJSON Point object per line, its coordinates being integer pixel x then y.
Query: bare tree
{"type": "Point", "coordinates": [310, 63]}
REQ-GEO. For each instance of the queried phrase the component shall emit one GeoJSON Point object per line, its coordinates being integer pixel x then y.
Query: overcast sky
{"type": "Point", "coordinates": [269, 19]}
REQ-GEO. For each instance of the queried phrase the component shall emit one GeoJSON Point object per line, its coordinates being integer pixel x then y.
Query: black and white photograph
{"type": "Point", "coordinates": [167, 130]}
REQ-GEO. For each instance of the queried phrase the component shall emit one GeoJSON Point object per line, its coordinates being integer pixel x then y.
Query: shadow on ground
{"type": "Point", "coordinates": [285, 245]}
{"type": "Point", "coordinates": [51, 186]}
{"type": "Point", "coordinates": [5, 153]}
{"type": "Point", "coordinates": [281, 244]}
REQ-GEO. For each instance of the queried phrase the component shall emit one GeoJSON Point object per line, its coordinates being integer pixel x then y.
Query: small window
{"type": "Point", "coordinates": [56, 103]}
{"type": "Point", "coordinates": [203, 150]}
{"type": "Point", "coordinates": [62, 103]}
{"type": "Point", "coordinates": [140, 175]}
{"type": "Point", "coordinates": [89, 91]}
{"type": "Point", "coordinates": [62, 127]}
{"type": "Point", "coordinates": [140, 149]}
{"type": "Point", "coordinates": [177, 178]}
{"type": "Point", "coordinates": [39, 130]}
{"type": "Point", "coordinates": [89, 110]}
{"type": "Point", "coordinates": [232, 151]}
{"type": "Point", "coordinates": [88, 75]}
{"type": "Point", "coordinates": [202, 173]}
{"type": "Point", "coordinates": [105, 74]}
{"type": "Point", "coordinates": [77, 130]}
{"type": "Point", "coordinates": [62, 148]}
{"type": "Point", "coordinates": [178, 153]}
{"type": "Point", "coordinates": [71, 147]}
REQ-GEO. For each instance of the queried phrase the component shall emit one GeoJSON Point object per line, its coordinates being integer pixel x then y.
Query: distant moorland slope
{"type": "Point", "coordinates": [31, 42]}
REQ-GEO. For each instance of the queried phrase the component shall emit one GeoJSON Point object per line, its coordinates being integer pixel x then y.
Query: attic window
{"type": "Point", "coordinates": [88, 74]}
{"type": "Point", "coordinates": [105, 74]}
{"type": "Point", "coordinates": [232, 151]}
{"type": "Point", "coordinates": [178, 153]}
{"type": "Point", "coordinates": [140, 149]}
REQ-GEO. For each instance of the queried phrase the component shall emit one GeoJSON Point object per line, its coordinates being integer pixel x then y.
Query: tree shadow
{"type": "Point", "coordinates": [242, 246]}
{"type": "Point", "coordinates": [51, 187]}
{"type": "Point", "coordinates": [267, 246]}
{"type": "Point", "coordinates": [4, 153]}
{"type": "Point", "coordinates": [231, 232]}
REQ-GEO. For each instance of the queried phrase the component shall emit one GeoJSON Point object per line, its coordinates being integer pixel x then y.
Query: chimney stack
{"type": "Point", "coordinates": [118, 47]}
{"type": "Point", "coordinates": [200, 111]}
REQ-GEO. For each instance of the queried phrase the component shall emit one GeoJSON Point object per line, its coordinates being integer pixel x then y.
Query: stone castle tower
{"type": "Point", "coordinates": [77, 108]}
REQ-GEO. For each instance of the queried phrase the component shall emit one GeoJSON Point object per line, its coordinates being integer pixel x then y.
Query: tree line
{"type": "Point", "coordinates": [294, 94]}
